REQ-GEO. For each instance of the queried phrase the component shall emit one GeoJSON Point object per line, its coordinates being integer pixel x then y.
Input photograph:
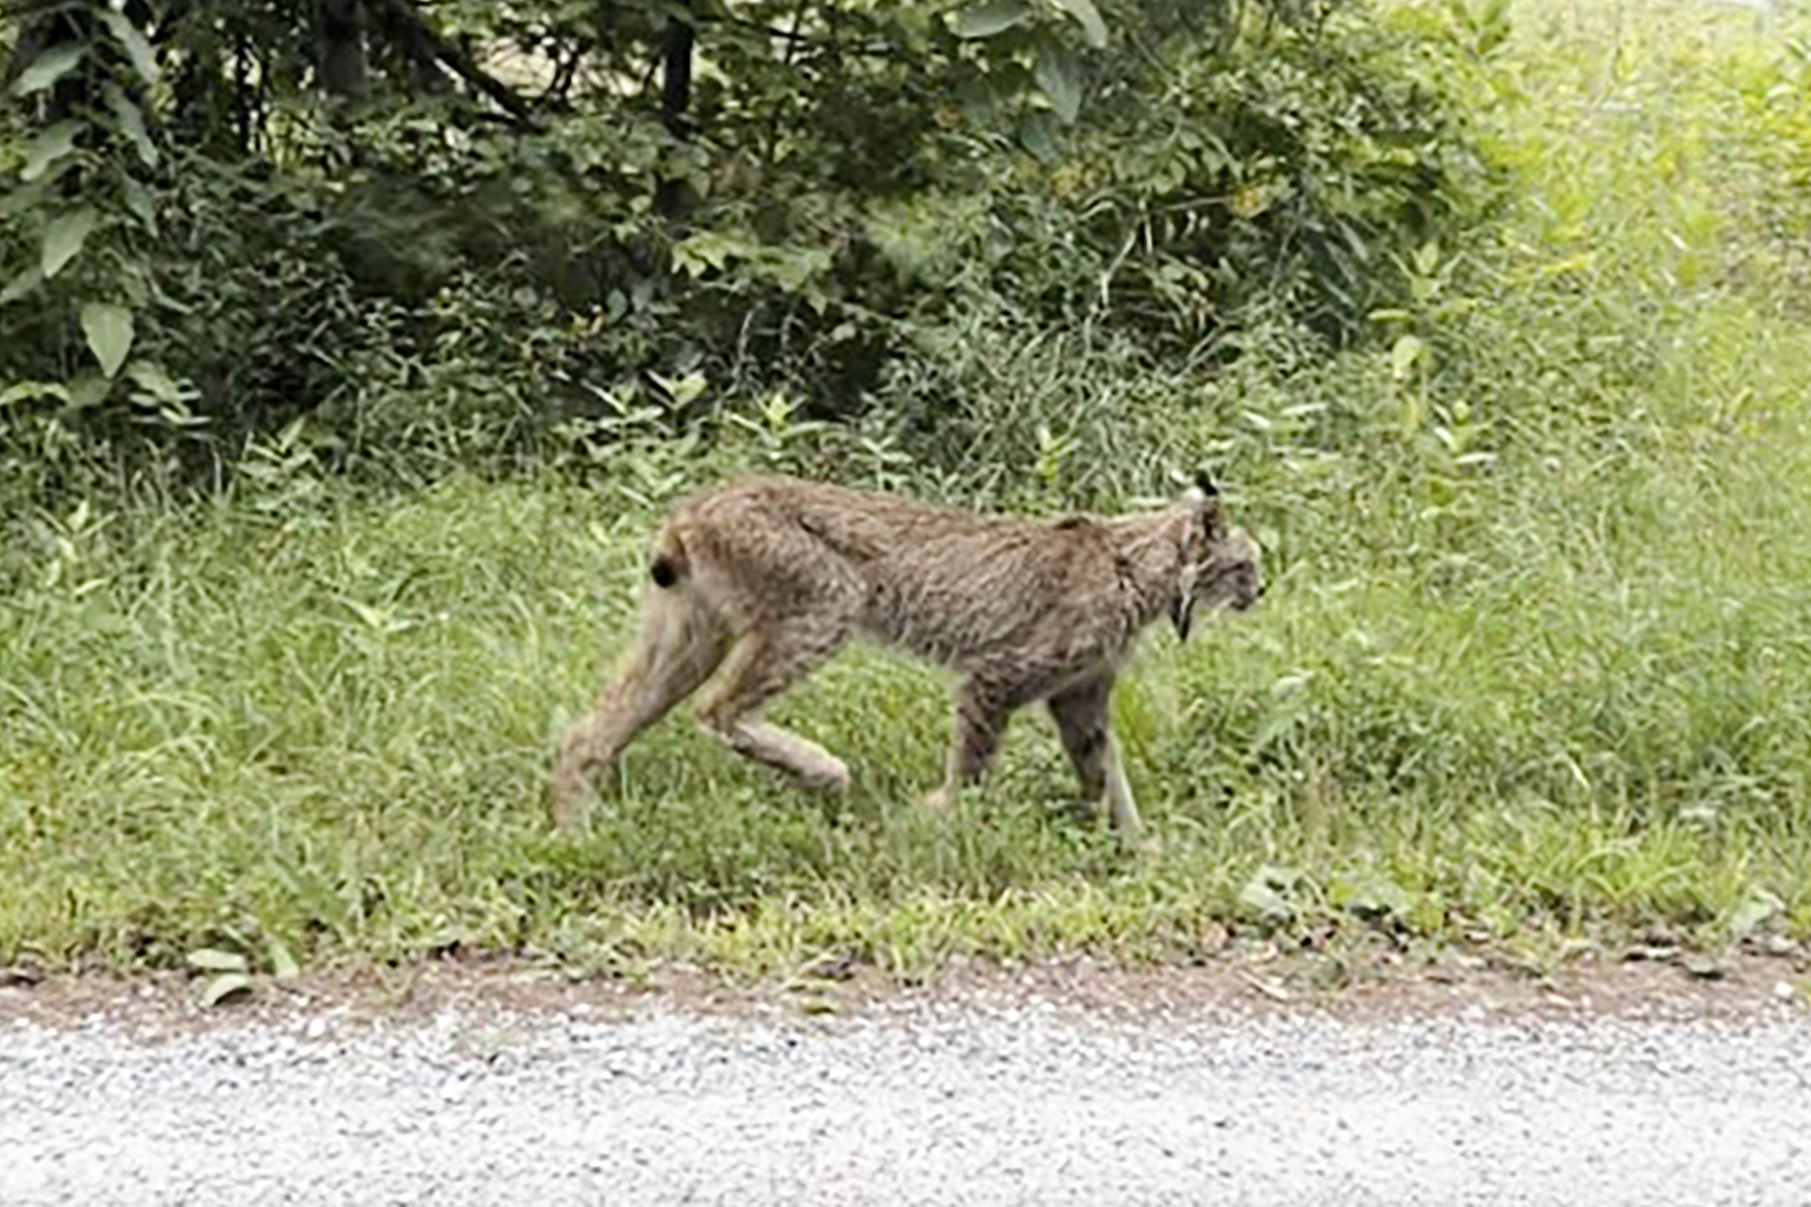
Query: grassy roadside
{"type": "Point", "coordinates": [1536, 663]}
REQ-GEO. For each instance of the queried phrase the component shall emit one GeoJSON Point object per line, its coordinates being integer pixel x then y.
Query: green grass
{"type": "Point", "coordinates": [1561, 689]}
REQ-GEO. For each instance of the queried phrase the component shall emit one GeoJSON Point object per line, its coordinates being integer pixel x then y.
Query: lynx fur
{"type": "Point", "coordinates": [762, 579]}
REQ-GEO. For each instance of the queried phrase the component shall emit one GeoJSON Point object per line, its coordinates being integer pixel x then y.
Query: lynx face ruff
{"type": "Point", "coordinates": [761, 580]}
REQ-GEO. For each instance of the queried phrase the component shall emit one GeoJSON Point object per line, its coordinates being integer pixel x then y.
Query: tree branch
{"type": "Point", "coordinates": [794, 38]}
{"type": "Point", "coordinates": [563, 76]}
{"type": "Point", "coordinates": [453, 58]}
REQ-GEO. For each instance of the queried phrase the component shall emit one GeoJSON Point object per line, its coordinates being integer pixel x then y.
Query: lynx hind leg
{"type": "Point", "coordinates": [763, 664]}
{"type": "Point", "coordinates": [980, 719]}
{"type": "Point", "coordinates": [681, 643]}
{"type": "Point", "coordinates": [1084, 722]}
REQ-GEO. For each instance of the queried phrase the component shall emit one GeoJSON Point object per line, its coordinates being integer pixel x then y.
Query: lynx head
{"type": "Point", "coordinates": [1220, 563]}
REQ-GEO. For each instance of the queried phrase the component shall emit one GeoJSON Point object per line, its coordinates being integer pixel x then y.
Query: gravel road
{"type": "Point", "coordinates": [1013, 1102]}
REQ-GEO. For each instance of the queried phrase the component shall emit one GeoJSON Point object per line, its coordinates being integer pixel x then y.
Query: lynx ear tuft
{"type": "Point", "coordinates": [1201, 492]}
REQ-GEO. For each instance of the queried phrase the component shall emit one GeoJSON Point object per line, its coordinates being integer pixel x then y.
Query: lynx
{"type": "Point", "coordinates": [763, 579]}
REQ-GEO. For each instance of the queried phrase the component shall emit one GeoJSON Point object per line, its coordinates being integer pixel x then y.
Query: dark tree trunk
{"type": "Point", "coordinates": [676, 75]}
{"type": "Point", "coordinates": [674, 197]}
{"type": "Point", "coordinates": [340, 33]}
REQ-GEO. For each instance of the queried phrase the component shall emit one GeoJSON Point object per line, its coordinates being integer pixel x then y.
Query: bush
{"type": "Point", "coordinates": [419, 283]}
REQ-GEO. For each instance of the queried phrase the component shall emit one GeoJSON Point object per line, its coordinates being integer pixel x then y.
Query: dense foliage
{"type": "Point", "coordinates": [452, 231]}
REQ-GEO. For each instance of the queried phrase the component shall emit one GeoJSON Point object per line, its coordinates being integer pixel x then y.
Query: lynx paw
{"type": "Point", "coordinates": [829, 774]}
{"type": "Point", "coordinates": [564, 801]}
{"type": "Point", "coordinates": [1140, 844]}
{"type": "Point", "coordinates": [938, 800]}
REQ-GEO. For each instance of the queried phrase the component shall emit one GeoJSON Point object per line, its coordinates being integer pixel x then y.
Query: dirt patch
{"type": "Point", "coordinates": [1640, 982]}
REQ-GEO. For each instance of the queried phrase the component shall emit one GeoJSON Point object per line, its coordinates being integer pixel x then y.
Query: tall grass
{"type": "Point", "coordinates": [1536, 657]}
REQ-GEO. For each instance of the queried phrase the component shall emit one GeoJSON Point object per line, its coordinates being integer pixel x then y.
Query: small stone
{"type": "Point", "coordinates": [1704, 968]}
{"type": "Point", "coordinates": [1783, 991]}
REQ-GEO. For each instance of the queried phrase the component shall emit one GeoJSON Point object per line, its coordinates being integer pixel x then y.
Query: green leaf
{"type": "Point", "coordinates": [1403, 355]}
{"type": "Point", "coordinates": [22, 284]}
{"type": "Point", "coordinates": [704, 251]}
{"type": "Point", "coordinates": [1371, 896]}
{"type": "Point", "coordinates": [377, 619]}
{"type": "Point", "coordinates": [89, 390]}
{"type": "Point", "coordinates": [1757, 906]}
{"type": "Point", "coordinates": [682, 390]}
{"type": "Point", "coordinates": [109, 331]}
{"type": "Point", "coordinates": [228, 986]}
{"type": "Point", "coordinates": [138, 47]}
{"type": "Point", "coordinates": [48, 147]}
{"type": "Point", "coordinates": [64, 237]}
{"type": "Point", "coordinates": [138, 200]}
{"type": "Point", "coordinates": [1093, 28]}
{"type": "Point", "coordinates": [1262, 899]}
{"type": "Point", "coordinates": [132, 124]}
{"type": "Point", "coordinates": [20, 391]}
{"type": "Point", "coordinates": [981, 97]}
{"type": "Point", "coordinates": [49, 67]}
{"type": "Point", "coordinates": [30, 196]}
{"type": "Point", "coordinates": [1059, 74]}
{"type": "Point", "coordinates": [1038, 133]}
{"type": "Point", "coordinates": [1268, 892]}
{"type": "Point", "coordinates": [151, 377]}
{"type": "Point", "coordinates": [212, 959]}
{"type": "Point", "coordinates": [283, 964]}
{"type": "Point", "coordinates": [991, 17]}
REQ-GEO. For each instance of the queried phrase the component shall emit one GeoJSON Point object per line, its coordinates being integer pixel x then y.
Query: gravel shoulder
{"type": "Point", "coordinates": [1060, 1084]}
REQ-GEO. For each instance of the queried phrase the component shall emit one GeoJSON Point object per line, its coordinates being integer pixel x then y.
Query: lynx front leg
{"type": "Point", "coordinates": [981, 718]}
{"type": "Point", "coordinates": [1083, 721]}
{"type": "Point", "coordinates": [760, 667]}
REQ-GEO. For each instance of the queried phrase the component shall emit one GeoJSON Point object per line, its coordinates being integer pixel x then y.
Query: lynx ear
{"type": "Point", "coordinates": [1200, 487]}
{"type": "Point", "coordinates": [1203, 501]}
{"type": "Point", "coordinates": [1203, 493]}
